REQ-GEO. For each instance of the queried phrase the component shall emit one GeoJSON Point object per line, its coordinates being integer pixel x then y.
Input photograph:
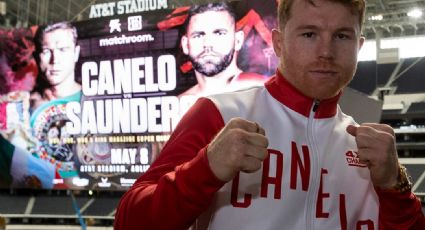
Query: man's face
{"type": "Point", "coordinates": [318, 47]}
{"type": "Point", "coordinates": [58, 56]}
{"type": "Point", "coordinates": [210, 41]}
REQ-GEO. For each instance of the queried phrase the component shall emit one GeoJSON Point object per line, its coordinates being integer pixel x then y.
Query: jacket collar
{"type": "Point", "coordinates": [288, 95]}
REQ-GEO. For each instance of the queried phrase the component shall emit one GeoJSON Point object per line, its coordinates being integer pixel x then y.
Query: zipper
{"type": "Point", "coordinates": [314, 180]}
{"type": "Point", "coordinates": [315, 106]}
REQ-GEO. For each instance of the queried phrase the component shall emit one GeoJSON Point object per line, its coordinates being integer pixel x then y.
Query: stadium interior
{"type": "Point", "coordinates": [397, 82]}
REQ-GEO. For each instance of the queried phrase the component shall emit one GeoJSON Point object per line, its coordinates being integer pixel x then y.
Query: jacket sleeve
{"type": "Point", "coordinates": [179, 185]}
{"type": "Point", "coordinates": [400, 211]}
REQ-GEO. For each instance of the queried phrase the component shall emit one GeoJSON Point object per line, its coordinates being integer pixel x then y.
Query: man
{"type": "Point", "coordinates": [282, 156]}
{"type": "Point", "coordinates": [56, 53]}
{"type": "Point", "coordinates": [212, 44]}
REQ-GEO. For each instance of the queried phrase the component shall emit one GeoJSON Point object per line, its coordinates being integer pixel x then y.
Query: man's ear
{"type": "Point", "coordinates": [77, 53]}
{"type": "Point", "coordinates": [361, 42]}
{"type": "Point", "coordinates": [184, 41]}
{"type": "Point", "coordinates": [277, 41]}
{"type": "Point", "coordinates": [239, 39]}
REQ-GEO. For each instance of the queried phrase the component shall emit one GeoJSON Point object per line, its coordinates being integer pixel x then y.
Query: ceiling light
{"type": "Point", "coordinates": [378, 17]}
{"type": "Point", "coordinates": [415, 13]}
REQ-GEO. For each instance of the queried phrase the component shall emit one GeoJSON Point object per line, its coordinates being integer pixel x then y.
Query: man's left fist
{"type": "Point", "coordinates": [377, 149]}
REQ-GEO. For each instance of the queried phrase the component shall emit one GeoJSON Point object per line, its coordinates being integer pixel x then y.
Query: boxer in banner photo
{"type": "Point", "coordinates": [212, 43]}
{"type": "Point", "coordinates": [56, 53]}
{"type": "Point", "coordinates": [212, 47]}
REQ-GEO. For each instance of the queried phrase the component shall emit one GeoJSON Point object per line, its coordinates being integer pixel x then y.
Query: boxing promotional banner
{"type": "Point", "coordinates": [132, 83]}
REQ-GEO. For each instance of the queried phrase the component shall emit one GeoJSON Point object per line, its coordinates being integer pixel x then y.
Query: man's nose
{"type": "Point", "coordinates": [208, 41]}
{"type": "Point", "coordinates": [54, 56]}
{"type": "Point", "coordinates": [326, 48]}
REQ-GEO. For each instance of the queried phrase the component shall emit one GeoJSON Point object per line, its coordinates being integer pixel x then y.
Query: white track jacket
{"type": "Point", "coordinates": [311, 179]}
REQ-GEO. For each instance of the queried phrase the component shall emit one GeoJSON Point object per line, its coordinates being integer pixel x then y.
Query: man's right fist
{"type": "Point", "coordinates": [240, 146]}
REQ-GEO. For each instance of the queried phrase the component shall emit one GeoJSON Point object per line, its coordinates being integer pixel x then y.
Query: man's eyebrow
{"type": "Point", "coordinates": [347, 29]}
{"type": "Point", "coordinates": [197, 32]}
{"type": "Point", "coordinates": [307, 27]}
{"type": "Point", "coordinates": [313, 27]}
{"type": "Point", "coordinates": [221, 30]}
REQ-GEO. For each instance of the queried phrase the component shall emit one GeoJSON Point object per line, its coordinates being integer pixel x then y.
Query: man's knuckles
{"type": "Point", "coordinates": [374, 137]}
{"type": "Point", "coordinates": [238, 135]}
{"type": "Point", "coordinates": [237, 122]}
{"type": "Point", "coordinates": [249, 126]}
